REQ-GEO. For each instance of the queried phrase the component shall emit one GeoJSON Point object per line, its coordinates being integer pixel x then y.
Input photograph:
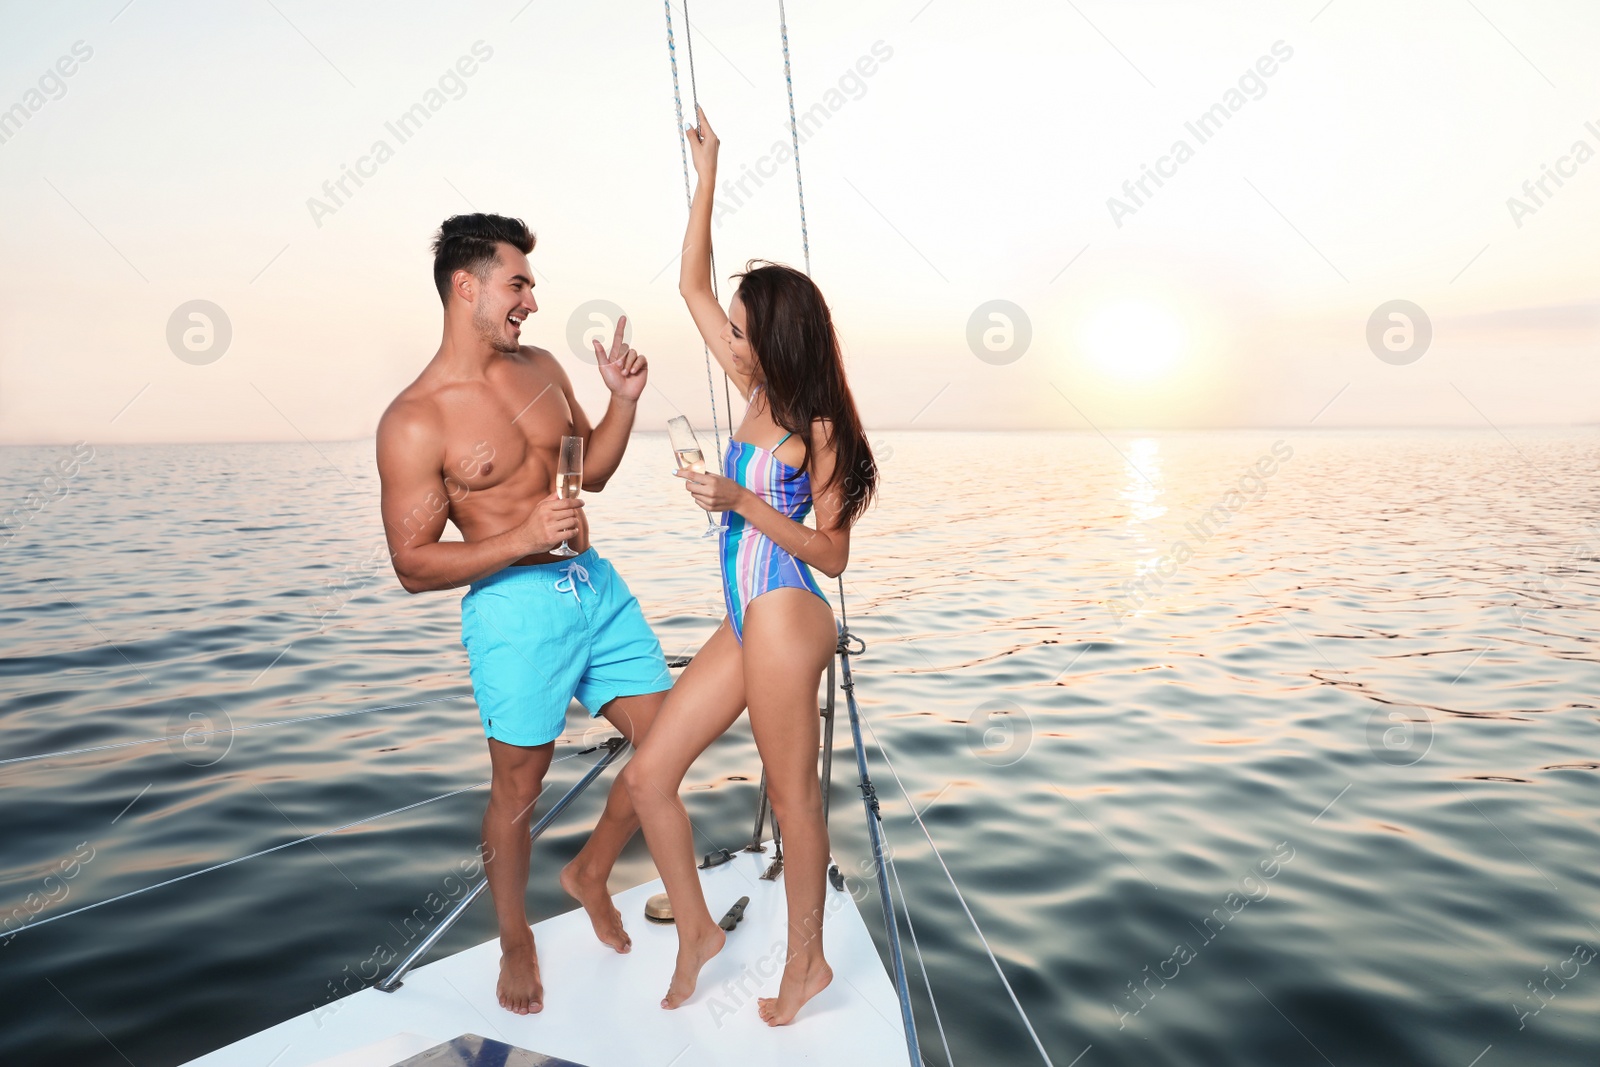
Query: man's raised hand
{"type": "Point", "coordinates": [623, 369]}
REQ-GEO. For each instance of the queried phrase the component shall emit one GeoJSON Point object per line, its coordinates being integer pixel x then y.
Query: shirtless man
{"type": "Point", "coordinates": [475, 440]}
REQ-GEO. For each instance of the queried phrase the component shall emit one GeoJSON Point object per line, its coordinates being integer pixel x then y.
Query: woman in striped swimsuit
{"type": "Point", "coordinates": [752, 563]}
{"type": "Point", "coordinates": [799, 448]}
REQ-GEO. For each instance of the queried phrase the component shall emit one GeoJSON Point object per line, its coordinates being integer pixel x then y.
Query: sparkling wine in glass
{"type": "Point", "coordinates": [687, 450]}
{"type": "Point", "coordinates": [569, 480]}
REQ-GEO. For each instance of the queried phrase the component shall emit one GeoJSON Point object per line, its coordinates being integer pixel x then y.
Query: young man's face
{"type": "Point", "coordinates": [504, 297]}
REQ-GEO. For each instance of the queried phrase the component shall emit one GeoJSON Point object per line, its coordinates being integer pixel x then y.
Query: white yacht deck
{"type": "Point", "coordinates": [603, 1009]}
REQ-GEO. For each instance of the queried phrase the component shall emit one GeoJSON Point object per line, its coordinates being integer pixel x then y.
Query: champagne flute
{"type": "Point", "coordinates": [687, 450]}
{"type": "Point", "coordinates": [569, 480]}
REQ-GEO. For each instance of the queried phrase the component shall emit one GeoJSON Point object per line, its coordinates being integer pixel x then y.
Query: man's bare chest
{"type": "Point", "coordinates": [503, 433]}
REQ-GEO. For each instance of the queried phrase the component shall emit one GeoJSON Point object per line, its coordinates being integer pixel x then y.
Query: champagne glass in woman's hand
{"type": "Point", "coordinates": [687, 450]}
{"type": "Point", "coordinates": [703, 144]}
{"type": "Point", "coordinates": [569, 480]}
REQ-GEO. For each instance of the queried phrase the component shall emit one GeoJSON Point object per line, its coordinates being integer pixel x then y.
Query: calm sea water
{"type": "Point", "coordinates": [1307, 773]}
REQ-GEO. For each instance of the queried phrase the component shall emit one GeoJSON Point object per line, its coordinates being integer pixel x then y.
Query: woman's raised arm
{"type": "Point", "coordinates": [694, 271]}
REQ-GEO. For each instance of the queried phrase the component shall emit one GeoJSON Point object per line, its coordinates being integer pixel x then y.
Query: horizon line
{"type": "Point", "coordinates": [1131, 431]}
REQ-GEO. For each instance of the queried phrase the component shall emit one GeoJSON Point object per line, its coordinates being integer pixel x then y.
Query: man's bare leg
{"type": "Point", "coordinates": [516, 778]}
{"type": "Point", "coordinates": [584, 879]}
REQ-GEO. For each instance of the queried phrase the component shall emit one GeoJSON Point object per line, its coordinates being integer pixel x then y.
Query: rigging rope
{"type": "Point", "coordinates": [921, 963]}
{"type": "Point", "coordinates": [262, 852]}
{"type": "Point", "coordinates": [794, 140]}
{"type": "Point", "coordinates": [884, 752]}
{"type": "Point", "coordinates": [688, 195]}
{"type": "Point", "coordinates": [805, 239]}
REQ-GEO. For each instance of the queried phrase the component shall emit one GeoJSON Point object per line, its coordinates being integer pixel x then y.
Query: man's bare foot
{"type": "Point", "coordinates": [520, 990]}
{"type": "Point", "coordinates": [693, 952]}
{"type": "Point", "coordinates": [596, 900]}
{"type": "Point", "coordinates": [801, 982]}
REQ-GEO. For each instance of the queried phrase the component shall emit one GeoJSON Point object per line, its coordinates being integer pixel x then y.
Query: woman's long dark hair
{"type": "Point", "coordinates": [791, 333]}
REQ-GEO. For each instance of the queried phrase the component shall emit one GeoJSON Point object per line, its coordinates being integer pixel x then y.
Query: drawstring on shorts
{"type": "Point", "coordinates": [566, 584]}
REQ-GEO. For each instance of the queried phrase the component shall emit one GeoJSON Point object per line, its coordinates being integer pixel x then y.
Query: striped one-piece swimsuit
{"type": "Point", "coordinates": [752, 563]}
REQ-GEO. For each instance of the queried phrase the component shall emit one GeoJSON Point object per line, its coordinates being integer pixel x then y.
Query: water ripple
{"type": "Point", "coordinates": [1310, 780]}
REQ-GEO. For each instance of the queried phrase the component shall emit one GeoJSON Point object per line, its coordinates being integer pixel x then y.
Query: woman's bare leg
{"type": "Point", "coordinates": [789, 637]}
{"type": "Point", "coordinates": [706, 700]}
{"type": "Point", "coordinates": [584, 879]}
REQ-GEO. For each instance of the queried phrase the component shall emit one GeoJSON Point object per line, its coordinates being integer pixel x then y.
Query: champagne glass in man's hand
{"type": "Point", "coordinates": [551, 520]}
{"type": "Point", "coordinates": [569, 480]}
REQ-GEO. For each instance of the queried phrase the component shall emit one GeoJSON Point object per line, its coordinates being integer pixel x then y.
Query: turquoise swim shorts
{"type": "Point", "coordinates": [539, 635]}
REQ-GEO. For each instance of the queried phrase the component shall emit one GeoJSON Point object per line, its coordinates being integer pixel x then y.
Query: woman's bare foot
{"type": "Point", "coordinates": [693, 952]}
{"type": "Point", "coordinates": [596, 900]}
{"type": "Point", "coordinates": [520, 989]}
{"type": "Point", "coordinates": [802, 980]}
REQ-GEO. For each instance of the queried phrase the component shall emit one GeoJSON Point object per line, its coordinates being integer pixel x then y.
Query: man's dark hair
{"type": "Point", "coordinates": [468, 242]}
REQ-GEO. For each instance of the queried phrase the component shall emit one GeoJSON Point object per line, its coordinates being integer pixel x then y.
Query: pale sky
{"type": "Point", "coordinates": [959, 153]}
